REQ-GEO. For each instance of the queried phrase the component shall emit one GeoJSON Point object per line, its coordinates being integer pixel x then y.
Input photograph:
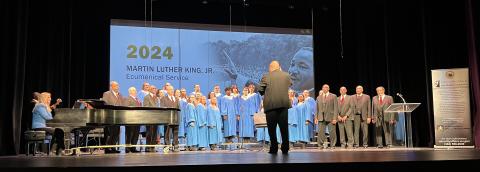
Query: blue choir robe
{"type": "Point", "coordinates": [303, 115]}
{"type": "Point", "coordinates": [294, 102]}
{"type": "Point", "coordinates": [292, 125]}
{"type": "Point", "coordinates": [262, 134]}
{"type": "Point", "coordinates": [229, 110]}
{"type": "Point", "coordinates": [214, 123]}
{"type": "Point", "coordinates": [191, 129]}
{"type": "Point", "coordinates": [312, 105]}
{"type": "Point", "coordinates": [246, 109]}
{"type": "Point", "coordinates": [182, 117]}
{"type": "Point", "coordinates": [202, 126]}
{"type": "Point", "coordinates": [257, 101]}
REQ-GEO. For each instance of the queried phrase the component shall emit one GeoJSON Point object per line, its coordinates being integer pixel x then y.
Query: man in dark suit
{"type": "Point", "coordinates": [151, 101]}
{"type": "Point", "coordinates": [170, 101]}
{"type": "Point", "coordinates": [326, 116]}
{"type": "Point", "coordinates": [383, 120]}
{"type": "Point", "coordinates": [274, 86]}
{"type": "Point", "coordinates": [132, 131]}
{"type": "Point", "coordinates": [111, 133]}
{"type": "Point", "coordinates": [362, 115]}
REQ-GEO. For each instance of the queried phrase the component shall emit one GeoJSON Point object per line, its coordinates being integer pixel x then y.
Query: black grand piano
{"type": "Point", "coordinates": [81, 120]}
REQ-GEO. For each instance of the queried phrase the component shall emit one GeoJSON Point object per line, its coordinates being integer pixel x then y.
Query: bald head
{"type": "Point", "coordinates": [274, 65]}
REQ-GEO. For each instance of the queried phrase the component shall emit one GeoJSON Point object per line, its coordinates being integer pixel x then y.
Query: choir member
{"type": "Point", "coordinates": [229, 113]}
{"type": "Point", "coordinates": [214, 119]}
{"type": "Point", "coordinates": [191, 121]}
{"type": "Point", "coordinates": [246, 109]}
{"type": "Point", "coordinates": [201, 111]}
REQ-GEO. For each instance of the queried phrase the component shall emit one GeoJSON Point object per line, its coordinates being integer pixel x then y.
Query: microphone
{"type": "Point", "coordinates": [401, 96]}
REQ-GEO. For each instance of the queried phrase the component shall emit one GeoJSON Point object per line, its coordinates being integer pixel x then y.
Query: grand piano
{"type": "Point", "coordinates": [81, 120]}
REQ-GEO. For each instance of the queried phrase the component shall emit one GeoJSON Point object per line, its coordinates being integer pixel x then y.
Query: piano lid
{"type": "Point", "coordinates": [100, 104]}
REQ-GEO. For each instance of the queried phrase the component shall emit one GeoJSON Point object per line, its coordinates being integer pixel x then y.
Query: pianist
{"type": "Point", "coordinates": [43, 112]}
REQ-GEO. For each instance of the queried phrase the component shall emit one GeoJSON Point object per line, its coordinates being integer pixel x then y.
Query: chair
{"type": "Point", "coordinates": [34, 137]}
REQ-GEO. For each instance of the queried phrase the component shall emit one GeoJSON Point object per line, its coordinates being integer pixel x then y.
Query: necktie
{"type": "Point", "coordinates": [138, 102]}
{"type": "Point", "coordinates": [341, 100]}
{"type": "Point", "coordinates": [381, 100]}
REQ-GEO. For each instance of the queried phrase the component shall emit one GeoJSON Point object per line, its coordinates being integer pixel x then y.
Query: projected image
{"type": "Point", "coordinates": [185, 57]}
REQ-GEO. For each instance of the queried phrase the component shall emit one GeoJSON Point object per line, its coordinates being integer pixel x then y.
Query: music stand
{"type": "Point", "coordinates": [407, 109]}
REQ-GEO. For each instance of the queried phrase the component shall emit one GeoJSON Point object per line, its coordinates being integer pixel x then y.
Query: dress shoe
{"type": "Point", "coordinates": [134, 150]}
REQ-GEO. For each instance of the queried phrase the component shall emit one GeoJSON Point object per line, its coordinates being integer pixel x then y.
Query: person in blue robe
{"type": "Point", "coordinates": [191, 120]}
{"type": "Point", "coordinates": [229, 114]}
{"type": "Point", "coordinates": [304, 120]}
{"type": "Point", "coordinates": [202, 123]}
{"type": "Point", "coordinates": [312, 105]}
{"type": "Point", "coordinates": [246, 109]}
{"type": "Point", "coordinates": [215, 136]}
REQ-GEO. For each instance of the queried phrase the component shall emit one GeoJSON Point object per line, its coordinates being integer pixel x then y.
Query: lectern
{"type": "Point", "coordinates": [407, 108]}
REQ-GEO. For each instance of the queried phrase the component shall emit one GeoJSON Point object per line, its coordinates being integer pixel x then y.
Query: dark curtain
{"type": "Point", "coordinates": [395, 44]}
{"type": "Point", "coordinates": [471, 9]}
{"type": "Point", "coordinates": [56, 46]}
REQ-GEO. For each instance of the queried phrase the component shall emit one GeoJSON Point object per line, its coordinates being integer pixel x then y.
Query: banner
{"type": "Point", "coordinates": [187, 54]}
{"type": "Point", "coordinates": [451, 108]}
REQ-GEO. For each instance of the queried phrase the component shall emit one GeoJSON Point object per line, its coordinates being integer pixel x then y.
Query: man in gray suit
{"type": "Point", "coordinates": [274, 86]}
{"type": "Point", "coordinates": [132, 131]}
{"type": "Point", "coordinates": [327, 112]}
{"type": "Point", "coordinates": [362, 115]}
{"type": "Point", "coordinates": [151, 101]}
{"type": "Point", "coordinates": [382, 119]}
{"type": "Point", "coordinates": [345, 118]}
{"type": "Point", "coordinates": [111, 133]}
{"type": "Point", "coordinates": [170, 101]}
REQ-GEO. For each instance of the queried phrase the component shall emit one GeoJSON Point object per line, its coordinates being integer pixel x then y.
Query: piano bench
{"type": "Point", "coordinates": [37, 137]}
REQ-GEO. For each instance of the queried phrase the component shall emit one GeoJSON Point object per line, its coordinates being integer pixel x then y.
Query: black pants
{"type": "Point", "coordinates": [131, 134]}
{"type": "Point", "coordinates": [169, 130]}
{"type": "Point", "coordinates": [111, 134]}
{"type": "Point", "coordinates": [58, 136]}
{"type": "Point", "coordinates": [280, 117]}
{"type": "Point", "coordinates": [152, 134]}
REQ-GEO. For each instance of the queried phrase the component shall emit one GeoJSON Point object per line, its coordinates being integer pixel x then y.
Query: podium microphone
{"type": "Point", "coordinates": [401, 96]}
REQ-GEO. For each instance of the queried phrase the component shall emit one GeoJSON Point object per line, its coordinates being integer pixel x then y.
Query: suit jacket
{"type": "Point", "coordinates": [274, 86]}
{"type": "Point", "coordinates": [110, 98]}
{"type": "Point", "coordinates": [327, 108]}
{"type": "Point", "coordinates": [345, 107]}
{"type": "Point", "coordinates": [150, 101]}
{"type": "Point", "coordinates": [166, 102]}
{"type": "Point", "coordinates": [378, 109]}
{"type": "Point", "coordinates": [130, 101]}
{"type": "Point", "coordinates": [361, 103]}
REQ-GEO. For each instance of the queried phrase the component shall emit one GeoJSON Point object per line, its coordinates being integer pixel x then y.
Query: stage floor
{"type": "Point", "coordinates": [243, 159]}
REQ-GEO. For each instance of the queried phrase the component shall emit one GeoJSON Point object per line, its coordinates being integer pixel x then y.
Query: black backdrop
{"type": "Point", "coordinates": [63, 47]}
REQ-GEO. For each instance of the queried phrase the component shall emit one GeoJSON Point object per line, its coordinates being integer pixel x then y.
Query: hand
{"type": "Point", "coordinates": [374, 120]}
{"type": "Point", "coordinates": [369, 120]}
{"type": "Point", "coordinates": [192, 124]}
{"type": "Point", "coordinates": [340, 118]}
{"type": "Point", "coordinates": [345, 118]}
{"type": "Point", "coordinates": [316, 121]}
{"type": "Point", "coordinates": [307, 122]}
{"type": "Point", "coordinates": [392, 121]}
{"type": "Point", "coordinates": [225, 117]}
{"type": "Point", "coordinates": [334, 122]}
{"type": "Point", "coordinates": [231, 73]}
{"type": "Point", "coordinates": [238, 117]}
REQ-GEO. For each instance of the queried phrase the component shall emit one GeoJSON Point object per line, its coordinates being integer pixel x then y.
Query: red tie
{"type": "Point", "coordinates": [381, 100]}
{"type": "Point", "coordinates": [341, 100]}
{"type": "Point", "coordinates": [138, 102]}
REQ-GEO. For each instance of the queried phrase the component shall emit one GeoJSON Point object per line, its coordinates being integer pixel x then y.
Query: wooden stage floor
{"type": "Point", "coordinates": [343, 159]}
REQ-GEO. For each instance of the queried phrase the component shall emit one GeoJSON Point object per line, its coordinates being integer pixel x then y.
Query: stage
{"type": "Point", "coordinates": [240, 160]}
